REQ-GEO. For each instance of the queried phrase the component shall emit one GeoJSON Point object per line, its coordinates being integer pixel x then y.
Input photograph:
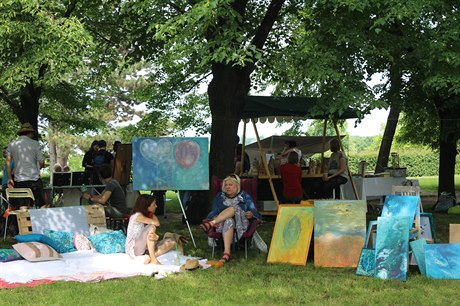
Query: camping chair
{"type": "Point", "coordinates": [17, 193]}
{"type": "Point", "coordinates": [216, 237]}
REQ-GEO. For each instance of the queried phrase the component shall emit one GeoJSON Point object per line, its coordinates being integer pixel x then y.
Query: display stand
{"type": "Point", "coordinates": [186, 220]}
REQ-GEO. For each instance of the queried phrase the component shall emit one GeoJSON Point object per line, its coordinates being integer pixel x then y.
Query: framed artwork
{"type": "Point", "coordinates": [340, 231]}
{"type": "Point", "coordinates": [392, 248]}
{"type": "Point", "coordinates": [427, 227]}
{"type": "Point", "coordinates": [170, 163]}
{"type": "Point", "coordinates": [292, 235]}
{"type": "Point", "coordinates": [442, 260]}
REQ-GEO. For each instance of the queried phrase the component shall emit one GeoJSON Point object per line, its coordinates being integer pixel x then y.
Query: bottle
{"type": "Point", "coordinates": [84, 189]}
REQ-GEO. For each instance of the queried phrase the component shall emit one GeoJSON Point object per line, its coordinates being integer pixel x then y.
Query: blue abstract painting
{"type": "Point", "coordinates": [170, 163]}
{"type": "Point", "coordinates": [401, 206]}
{"type": "Point", "coordinates": [340, 230]}
{"type": "Point", "coordinates": [366, 264]}
{"type": "Point", "coordinates": [392, 247]}
{"type": "Point", "coordinates": [417, 247]}
{"type": "Point", "coordinates": [442, 260]}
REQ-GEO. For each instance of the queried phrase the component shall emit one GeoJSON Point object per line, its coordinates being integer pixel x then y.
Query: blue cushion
{"type": "Point", "coordinates": [37, 238]}
{"type": "Point", "coordinates": [63, 240]}
{"type": "Point", "coordinates": [109, 243]}
{"type": "Point", "coordinates": [9, 255]}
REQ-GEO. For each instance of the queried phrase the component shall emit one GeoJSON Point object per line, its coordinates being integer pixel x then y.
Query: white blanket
{"type": "Point", "coordinates": [84, 266]}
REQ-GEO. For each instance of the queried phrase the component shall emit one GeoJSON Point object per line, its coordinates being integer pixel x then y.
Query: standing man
{"type": "Point", "coordinates": [28, 160]}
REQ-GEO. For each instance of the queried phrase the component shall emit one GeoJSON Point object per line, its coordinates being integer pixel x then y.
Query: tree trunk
{"type": "Point", "coordinates": [387, 139]}
{"type": "Point", "coordinates": [227, 92]}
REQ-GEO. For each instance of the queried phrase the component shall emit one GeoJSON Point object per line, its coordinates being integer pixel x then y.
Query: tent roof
{"type": "Point", "coordinates": [307, 144]}
{"type": "Point", "coordinates": [287, 108]}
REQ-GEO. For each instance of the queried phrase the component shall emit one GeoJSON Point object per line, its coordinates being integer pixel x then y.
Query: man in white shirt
{"type": "Point", "coordinates": [28, 160]}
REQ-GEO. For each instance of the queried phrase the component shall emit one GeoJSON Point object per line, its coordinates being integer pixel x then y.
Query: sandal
{"type": "Point", "coordinates": [226, 257]}
{"type": "Point", "coordinates": [206, 226]}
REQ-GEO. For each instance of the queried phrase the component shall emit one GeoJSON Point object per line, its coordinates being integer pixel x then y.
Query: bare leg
{"type": "Point", "coordinates": [227, 237]}
{"type": "Point", "coordinates": [152, 238]}
{"type": "Point", "coordinates": [224, 215]}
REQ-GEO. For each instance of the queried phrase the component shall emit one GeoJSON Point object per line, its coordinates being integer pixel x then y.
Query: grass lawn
{"type": "Point", "coordinates": [429, 184]}
{"type": "Point", "coordinates": [250, 282]}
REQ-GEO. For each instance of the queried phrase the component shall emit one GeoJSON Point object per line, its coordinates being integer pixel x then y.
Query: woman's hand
{"type": "Point", "coordinates": [86, 196]}
{"type": "Point", "coordinates": [248, 214]}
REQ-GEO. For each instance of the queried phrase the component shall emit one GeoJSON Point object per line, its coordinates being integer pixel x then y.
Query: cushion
{"type": "Point", "coordinates": [109, 243]}
{"type": "Point", "coordinates": [36, 251]}
{"type": "Point", "coordinates": [37, 238]}
{"type": "Point", "coordinates": [82, 243]}
{"type": "Point", "coordinates": [9, 255]}
{"type": "Point", "coordinates": [63, 240]}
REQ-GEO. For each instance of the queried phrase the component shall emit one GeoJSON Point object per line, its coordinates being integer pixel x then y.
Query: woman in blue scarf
{"type": "Point", "coordinates": [232, 209]}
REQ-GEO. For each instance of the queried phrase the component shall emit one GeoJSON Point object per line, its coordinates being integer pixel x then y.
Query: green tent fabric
{"type": "Point", "coordinates": [299, 107]}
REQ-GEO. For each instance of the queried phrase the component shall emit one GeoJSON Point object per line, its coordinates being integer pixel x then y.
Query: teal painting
{"type": "Point", "coordinates": [392, 247]}
{"type": "Point", "coordinates": [442, 260]}
{"type": "Point", "coordinates": [366, 264]}
{"type": "Point", "coordinates": [401, 206]}
{"type": "Point", "coordinates": [170, 163]}
{"type": "Point", "coordinates": [417, 247]}
{"type": "Point", "coordinates": [340, 231]}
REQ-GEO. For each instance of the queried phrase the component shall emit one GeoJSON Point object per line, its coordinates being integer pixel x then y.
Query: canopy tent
{"type": "Point", "coordinates": [309, 145]}
{"type": "Point", "coordinates": [285, 109]}
{"type": "Point", "coordinates": [288, 108]}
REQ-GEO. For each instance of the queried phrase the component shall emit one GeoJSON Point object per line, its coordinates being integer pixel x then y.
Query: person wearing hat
{"type": "Point", "coordinates": [28, 160]}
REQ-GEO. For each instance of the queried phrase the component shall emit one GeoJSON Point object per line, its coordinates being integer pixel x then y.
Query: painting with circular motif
{"type": "Point", "coordinates": [170, 163]}
{"type": "Point", "coordinates": [291, 235]}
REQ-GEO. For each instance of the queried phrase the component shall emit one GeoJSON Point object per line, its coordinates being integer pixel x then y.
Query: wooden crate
{"type": "Point", "coordinates": [95, 214]}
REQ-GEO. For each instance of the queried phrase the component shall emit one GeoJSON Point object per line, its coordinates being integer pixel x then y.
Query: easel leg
{"type": "Point", "coordinates": [186, 220]}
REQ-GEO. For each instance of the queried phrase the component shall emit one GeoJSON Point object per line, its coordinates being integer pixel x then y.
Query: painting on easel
{"type": "Point", "coordinates": [170, 163]}
{"type": "Point", "coordinates": [340, 231]}
{"type": "Point", "coordinates": [292, 235]}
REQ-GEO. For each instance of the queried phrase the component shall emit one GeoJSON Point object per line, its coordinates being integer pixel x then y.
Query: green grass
{"type": "Point", "coordinates": [251, 282]}
{"type": "Point", "coordinates": [429, 184]}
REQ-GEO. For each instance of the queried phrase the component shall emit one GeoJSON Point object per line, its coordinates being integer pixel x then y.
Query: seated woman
{"type": "Point", "coordinates": [337, 170]}
{"type": "Point", "coordinates": [141, 237]}
{"type": "Point", "coordinates": [291, 175]}
{"type": "Point", "coordinates": [232, 209]}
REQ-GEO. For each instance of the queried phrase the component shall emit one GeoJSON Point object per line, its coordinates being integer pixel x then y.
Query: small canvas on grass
{"type": "Point", "coordinates": [366, 264]}
{"type": "Point", "coordinates": [340, 230]}
{"type": "Point", "coordinates": [442, 260]}
{"type": "Point", "coordinates": [427, 227]}
{"type": "Point", "coordinates": [392, 247]}
{"type": "Point", "coordinates": [417, 247]}
{"type": "Point", "coordinates": [291, 235]}
{"type": "Point", "coordinates": [454, 233]}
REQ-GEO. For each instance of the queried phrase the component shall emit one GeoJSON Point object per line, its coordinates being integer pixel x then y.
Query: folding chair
{"type": "Point", "coordinates": [17, 193]}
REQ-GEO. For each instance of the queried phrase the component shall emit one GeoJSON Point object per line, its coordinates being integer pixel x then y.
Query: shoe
{"type": "Point", "coordinates": [206, 226]}
{"type": "Point", "coordinates": [226, 257]}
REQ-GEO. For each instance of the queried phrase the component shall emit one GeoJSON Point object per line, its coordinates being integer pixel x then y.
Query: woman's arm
{"type": "Point", "coordinates": [143, 219]}
{"type": "Point", "coordinates": [250, 207]}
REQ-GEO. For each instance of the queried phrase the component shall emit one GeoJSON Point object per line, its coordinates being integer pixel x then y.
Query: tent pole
{"type": "Point", "coordinates": [323, 166]}
{"type": "Point", "coordinates": [348, 166]}
{"type": "Point", "coordinates": [264, 162]}
{"type": "Point", "coordinates": [242, 149]}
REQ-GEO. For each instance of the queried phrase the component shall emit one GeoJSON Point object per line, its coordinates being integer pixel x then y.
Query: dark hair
{"type": "Point", "coordinates": [95, 142]}
{"type": "Point", "coordinates": [334, 145]}
{"type": "Point", "coordinates": [102, 143]}
{"type": "Point", "coordinates": [142, 204]}
{"type": "Point", "coordinates": [293, 157]}
{"type": "Point", "coordinates": [105, 171]}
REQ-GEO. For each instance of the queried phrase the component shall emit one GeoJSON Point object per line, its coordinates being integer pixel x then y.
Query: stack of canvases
{"type": "Point", "coordinates": [386, 251]}
{"type": "Point", "coordinates": [340, 230]}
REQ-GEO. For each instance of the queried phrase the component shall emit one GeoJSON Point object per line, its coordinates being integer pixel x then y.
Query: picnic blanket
{"type": "Point", "coordinates": [87, 266]}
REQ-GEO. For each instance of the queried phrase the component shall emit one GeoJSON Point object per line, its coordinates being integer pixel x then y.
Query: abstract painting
{"type": "Point", "coordinates": [392, 247]}
{"type": "Point", "coordinates": [170, 163]}
{"type": "Point", "coordinates": [366, 264]}
{"type": "Point", "coordinates": [427, 227]}
{"type": "Point", "coordinates": [340, 231]}
{"type": "Point", "coordinates": [401, 206]}
{"type": "Point", "coordinates": [291, 235]}
{"type": "Point", "coordinates": [417, 247]}
{"type": "Point", "coordinates": [443, 260]}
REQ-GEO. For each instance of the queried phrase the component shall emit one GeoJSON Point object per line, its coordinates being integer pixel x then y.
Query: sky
{"type": "Point", "coordinates": [371, 125]}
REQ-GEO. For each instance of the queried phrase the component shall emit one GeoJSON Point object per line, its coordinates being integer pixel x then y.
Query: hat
{"type": "Point", "coordinates": [190, 265]}
{"type": "Point", "coordinates": [25, 129]}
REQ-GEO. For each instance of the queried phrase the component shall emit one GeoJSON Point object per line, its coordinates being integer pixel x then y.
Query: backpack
{"type": "Point", "coordinates": [445, 201]}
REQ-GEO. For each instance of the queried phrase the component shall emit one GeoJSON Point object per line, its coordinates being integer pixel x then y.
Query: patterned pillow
{"type": "Point", "coordinates": [82, 243]}
{"type": "Point", "coordinates": [9, 255]}
{"type": "Point", "coordinates": [37, 238]}
{"type": "Point", "coordinates": [109, 243]}
{"type": "Point", "coordinates": [63, 240]}
{"type": "Point", "coordinates": [36, 251]}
